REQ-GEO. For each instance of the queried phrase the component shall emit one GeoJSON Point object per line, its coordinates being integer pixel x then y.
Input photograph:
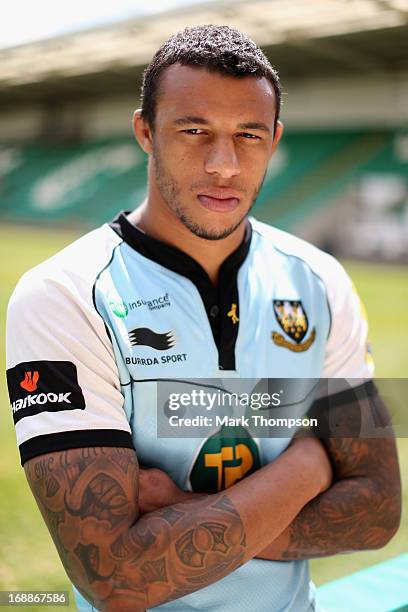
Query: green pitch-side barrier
{"type": "Point", "coordinates": [380, 588]}
{"type": "Point", "coordinates": [87, 183]}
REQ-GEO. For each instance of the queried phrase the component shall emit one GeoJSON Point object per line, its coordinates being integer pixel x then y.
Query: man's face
{"type": "Point", "coordinates": [212, 140]}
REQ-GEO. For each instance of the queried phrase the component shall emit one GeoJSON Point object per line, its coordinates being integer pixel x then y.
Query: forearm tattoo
{"type": "Point", "coordinates": [362, 508]}
{"type": "Point", "coordinates": [88, 498]}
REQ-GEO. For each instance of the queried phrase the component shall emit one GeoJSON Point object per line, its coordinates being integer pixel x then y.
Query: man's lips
{"type": "Point", "coordinates": [219, 200]}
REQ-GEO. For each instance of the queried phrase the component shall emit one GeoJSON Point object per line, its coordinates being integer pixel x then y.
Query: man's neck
{"type": "Point", "coordinates": [163, 225]}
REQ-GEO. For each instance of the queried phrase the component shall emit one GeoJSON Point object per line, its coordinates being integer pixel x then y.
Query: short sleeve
{"type": "Point", "coordinates": [348, 353]}
{"type": "Point", "coordinates": [62, 376]}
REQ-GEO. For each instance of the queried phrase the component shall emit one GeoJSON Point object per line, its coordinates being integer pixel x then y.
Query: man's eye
{"type": "Point", "coordinates": [249, 136]}
{"type": "Point", "coordinates": [194, 131]}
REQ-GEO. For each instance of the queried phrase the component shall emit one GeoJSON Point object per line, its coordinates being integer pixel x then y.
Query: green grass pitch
{"type": "Point", "coordinates": [28, 559]}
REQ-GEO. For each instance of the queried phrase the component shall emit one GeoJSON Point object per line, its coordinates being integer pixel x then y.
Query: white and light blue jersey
{"type": "Point", "coordinates": [91, 331]}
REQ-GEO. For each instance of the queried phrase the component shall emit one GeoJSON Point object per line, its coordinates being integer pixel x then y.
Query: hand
{"type": "Point", "coordinates": [157, 489]}
{"type": "Point", "coordinates": [314, 460]}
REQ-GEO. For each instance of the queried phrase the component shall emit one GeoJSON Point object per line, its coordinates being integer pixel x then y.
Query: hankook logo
{"type": "Point", "coordinates": [30, 380]}
{"type": "Point", "coordinates": [143, 336]}
{"type": "Point", "coordinates": [43, 386]}
{"type": "Point", "coordinates": [41, 398]}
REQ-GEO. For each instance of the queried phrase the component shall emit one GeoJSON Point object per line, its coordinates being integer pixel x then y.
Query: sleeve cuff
{"type": "Point", "coordinates": [66, 440]}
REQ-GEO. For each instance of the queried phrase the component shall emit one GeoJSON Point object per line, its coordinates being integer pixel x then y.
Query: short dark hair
{"type": "Point", "coordinates": [217, 48]}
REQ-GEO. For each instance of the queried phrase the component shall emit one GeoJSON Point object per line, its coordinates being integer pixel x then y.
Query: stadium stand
{"type": "Point", "coordinates": [87, 183]}
{"type": "Point", "coordinates": [66, 154]}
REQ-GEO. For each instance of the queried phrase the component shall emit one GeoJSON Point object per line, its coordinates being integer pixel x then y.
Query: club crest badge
{"type": "Point", "coordinates": [292, 318]}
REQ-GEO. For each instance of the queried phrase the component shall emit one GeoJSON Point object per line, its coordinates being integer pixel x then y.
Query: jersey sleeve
{"type": "Point", "coordinates": [348, 353]}
{"type": "Point", "coordinates": [62, 377]}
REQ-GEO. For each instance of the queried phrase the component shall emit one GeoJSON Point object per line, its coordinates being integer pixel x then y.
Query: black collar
{"type": "Point", "coordinates": [173, 258]}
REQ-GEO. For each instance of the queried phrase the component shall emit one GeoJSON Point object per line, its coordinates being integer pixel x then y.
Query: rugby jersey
{"type": "Point", "coordinates": [92, 330]}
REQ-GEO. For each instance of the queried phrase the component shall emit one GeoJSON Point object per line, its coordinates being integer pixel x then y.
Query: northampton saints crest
{"type": "Point", "coordinates": [292, 318]}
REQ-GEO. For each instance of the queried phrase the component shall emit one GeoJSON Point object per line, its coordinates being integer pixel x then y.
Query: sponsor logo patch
{"type": "Point", "coordinates": [143, 336]}
{"type": "Point", "coordinates": [224, 459]}
{"type": "Point", "coordinates": [292, 318]}
{"type": "Point", "coordinates": [149, 361]}
{"type": "Point", "coordinates": [43, 386]}
{"type": "Point", "coordinates": [121, 309]}
{"type": "Point", "coordinates": [118, 306]}
{"type": "Point", "coordinates": [163, 301]}
{"type": "Point", "coordinates": [30, 380]}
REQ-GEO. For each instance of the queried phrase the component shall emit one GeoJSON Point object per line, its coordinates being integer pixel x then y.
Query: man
{"type": "Point", "coordinates": [185, 286]}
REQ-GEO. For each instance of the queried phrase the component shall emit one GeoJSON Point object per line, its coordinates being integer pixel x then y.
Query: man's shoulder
{"type": "Point", "coordinates": [72, 270]}
{"type": "Point", "coordinates": [289, 246]}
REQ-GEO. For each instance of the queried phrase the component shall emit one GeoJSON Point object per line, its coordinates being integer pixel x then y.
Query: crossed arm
{"type": "Point", "coordinates": [121, 560]}
{"type": "Point", "coordinates": [360, 511]}
{"type": "Point", "coordinates": [362, 508]}
{"type": "Point", "coordinates": [133, 540]}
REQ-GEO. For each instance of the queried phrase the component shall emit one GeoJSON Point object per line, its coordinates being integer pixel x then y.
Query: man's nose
{"type": "Point", "coordinates": [222, 159]}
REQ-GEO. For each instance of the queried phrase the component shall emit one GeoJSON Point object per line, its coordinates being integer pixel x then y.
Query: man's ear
{"type": "Point", "coordinates": [142, 132]}
{"type": "Point", "coordinates": [277, 136]}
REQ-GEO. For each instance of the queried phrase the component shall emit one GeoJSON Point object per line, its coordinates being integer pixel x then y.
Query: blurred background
{"type": "Point", "coordinates": [68, 86]}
